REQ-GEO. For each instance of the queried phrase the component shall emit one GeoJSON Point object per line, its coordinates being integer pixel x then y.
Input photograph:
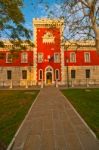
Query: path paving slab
{"type": "Point", "coordinates": [52, 124]}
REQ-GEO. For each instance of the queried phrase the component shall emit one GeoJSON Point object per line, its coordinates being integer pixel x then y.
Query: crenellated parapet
{"type": "Point", "coordinates": [48, 22]}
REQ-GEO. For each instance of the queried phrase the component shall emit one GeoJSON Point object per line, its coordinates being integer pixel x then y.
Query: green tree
{"type": "Point", "coordinates": [12, 22]}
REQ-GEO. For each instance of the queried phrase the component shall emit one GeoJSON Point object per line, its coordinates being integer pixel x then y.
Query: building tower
{"type": "Point", "coordinates": [48, 52]}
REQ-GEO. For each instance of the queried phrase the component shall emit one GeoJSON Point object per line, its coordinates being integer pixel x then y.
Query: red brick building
{"type": "Point", "coordinates": [51, 61]}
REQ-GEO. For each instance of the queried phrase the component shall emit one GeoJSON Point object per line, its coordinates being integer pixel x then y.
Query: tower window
{"type": "Point", "coordinates": [56, 57]}
{"type": "Point", "coordinates": [40, 57]}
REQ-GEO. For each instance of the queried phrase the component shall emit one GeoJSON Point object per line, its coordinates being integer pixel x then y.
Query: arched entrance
{"type": "Point", "coordinates": [49, 75]}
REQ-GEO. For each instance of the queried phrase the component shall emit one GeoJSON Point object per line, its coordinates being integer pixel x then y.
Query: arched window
{"type": "Point", "coordinates": [40, 74]}
{"type": "Point", "coordinates": [57, 76]}
{"type": "Point", "coordinates": [49, 69]}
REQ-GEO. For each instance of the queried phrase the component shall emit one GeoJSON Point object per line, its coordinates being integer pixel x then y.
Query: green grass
{"type": "Point", "coordinates": [13, 107]}
{"type": "Point", "coordinates": [86, 102]}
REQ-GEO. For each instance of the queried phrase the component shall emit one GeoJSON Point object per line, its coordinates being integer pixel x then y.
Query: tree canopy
{"type": "Point", "coordinates": [12, 21]}
{"type": "Point", "coordinates": [81, 19]}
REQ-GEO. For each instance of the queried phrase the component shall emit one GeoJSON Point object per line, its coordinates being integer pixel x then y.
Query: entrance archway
{"type": "Point", "coordinates": [48, 75]}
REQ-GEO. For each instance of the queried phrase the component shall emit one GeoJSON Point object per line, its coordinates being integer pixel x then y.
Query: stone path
{"type": "Point", "coordinates": [52, 124]}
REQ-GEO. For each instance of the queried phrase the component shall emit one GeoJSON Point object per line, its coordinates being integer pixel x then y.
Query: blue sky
{"type": "Point", "coordinates": [37, 10]}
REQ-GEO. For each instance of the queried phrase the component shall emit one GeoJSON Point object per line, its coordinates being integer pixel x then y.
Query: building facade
{"type": "Point", "coordinates": [52, 61]}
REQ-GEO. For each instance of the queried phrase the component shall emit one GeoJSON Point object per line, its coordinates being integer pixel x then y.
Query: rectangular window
{"type": "Point", "coordinates": [40, 57]}
{"type": "Point", "coordinates": [87, 57]}
{"type": "Point", "coordinates": [8, 58]}
{"type": "Point", "coordinates": [87, 73]}
{"type": "Point", "coordinates": [24, 57]}
{"type": "Point", "coordinates": [24, 74]}
{"type": "Point", "coordinates": [9, 74]}
{"type": "Point", "coordinates": [73, 74]}
{"type": "Point", "coordinates": [56, 57]}
{"type": "Point", "coordinates": [72, 57]}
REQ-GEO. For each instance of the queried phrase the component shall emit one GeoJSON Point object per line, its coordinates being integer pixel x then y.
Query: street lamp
{"type": "Point", "coordinates": [67, 72]}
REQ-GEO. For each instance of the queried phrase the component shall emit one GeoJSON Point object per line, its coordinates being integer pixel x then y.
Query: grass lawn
{"type": "Point", "coordinates": [13, 107]}
{"type": "Point", "coordinates": [86, 102]}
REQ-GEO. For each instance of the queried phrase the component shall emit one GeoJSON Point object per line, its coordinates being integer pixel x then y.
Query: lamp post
{"type": "Point", "coordinates": [67, 72]}
{"type": "Point", "coordinates": [30, 71]}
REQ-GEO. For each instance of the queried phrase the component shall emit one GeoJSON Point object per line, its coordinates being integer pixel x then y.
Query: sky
{"type": "Point", "coordinates": [37, 9]}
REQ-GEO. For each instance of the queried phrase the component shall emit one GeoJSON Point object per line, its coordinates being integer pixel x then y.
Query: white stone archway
{"type": "Point", "coordinates": [49, 70]}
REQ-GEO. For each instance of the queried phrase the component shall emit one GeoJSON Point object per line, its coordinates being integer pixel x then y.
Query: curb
{"type": "Point", "coordinates": [13, 140]}
{"type": "Point", "coordinates": [83, 121]}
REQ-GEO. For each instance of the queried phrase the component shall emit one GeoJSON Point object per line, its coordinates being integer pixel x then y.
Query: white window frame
{"type": "Point", "coordinates": [40, 70]}
{"type": "Point", "coordinates": [58, 74]}
{"type": "Point", "coordinates": [73, 57]}
{"type": "Point", "coordinates": [24, 60]}
{"type": "Point", "coordinates": [57, 60]}
{"type": "Point", "coordinates": [87, 58]}
{"type": "Point", "coordinates": [40, 59]}
{"type": "Point", "coordinates": [8, 60]}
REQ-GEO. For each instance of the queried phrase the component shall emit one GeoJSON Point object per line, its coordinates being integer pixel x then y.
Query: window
{"type": "Point", "coordinates": [24, 74]}
{"type": "Point", "coordinates": [57, 74]}
{"type": "Point", "coordinates": [73, 74]}
{"type": "Point", "coordinates": [8, 58]}
{"type": "Point", "coordinates": [56, 57]}
{"type": "Point", "coordinates": [40, 57]}
{"type": "Point", "coordinates": [72, 57]}
{"type": "Point", "coordinates": [40, 74]}
{"type": "Point", "coordinates": [87, 73]}
{"type": "Point", "coordinates": [87, 57]}
{"type": "Point", "coordinates": [9, 74]}
{"type": "Point", "coordinates": [24, 57]}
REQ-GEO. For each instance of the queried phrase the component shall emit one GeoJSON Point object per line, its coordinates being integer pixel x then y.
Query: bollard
{"type": "Point", "coordinates": [26, 85]}
{"type": "Point", "coordinates": [56, 84]}
{"type": "Point", "coordinates": [11, 84]}
{"type": "Point", "coordinates": [42, 84]}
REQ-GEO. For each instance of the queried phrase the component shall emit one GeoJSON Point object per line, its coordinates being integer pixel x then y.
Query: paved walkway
{"type": "Point", "coordinates": [52, 124]}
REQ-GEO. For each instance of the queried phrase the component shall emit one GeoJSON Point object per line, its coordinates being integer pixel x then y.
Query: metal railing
{"type": "Point", "coordinates": [83, 82]}
{"type": "Point", "coordinates": [16, 83]}
{"type": "Point", "coordinates": [28, 83]}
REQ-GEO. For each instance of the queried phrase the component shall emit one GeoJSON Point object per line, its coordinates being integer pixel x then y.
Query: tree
{"type": "Point", "coordinates": [81, 19]}
{"type": "Point", "coordinates": [12, 22]}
